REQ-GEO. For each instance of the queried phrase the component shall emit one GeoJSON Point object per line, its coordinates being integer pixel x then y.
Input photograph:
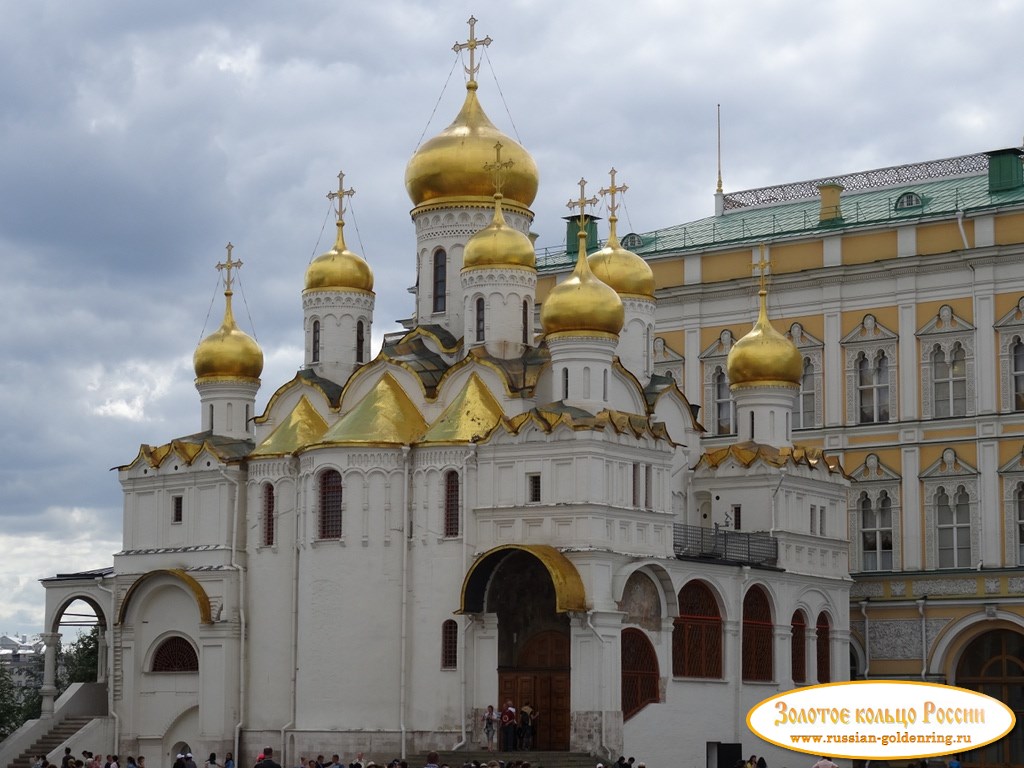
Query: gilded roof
{"type": "Point", "coordinates": [302, 427]}
{"type": "Point", "coordinates": [471, 416]}
{"type": "Point", "coordinates": [550, 416]}
{"type": "Point", "coordinates": [385, 416]}
{"type": "Point", "coordinates": [748, 453]}
{"type": "Point", "coordinates": [186, 449]}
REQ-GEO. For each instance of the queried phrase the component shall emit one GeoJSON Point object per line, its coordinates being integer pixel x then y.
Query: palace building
{"type": "Point", "coordinates": [641, 483]}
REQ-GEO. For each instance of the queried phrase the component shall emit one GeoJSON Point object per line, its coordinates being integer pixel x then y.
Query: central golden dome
{"type": "Point", "coordinates": [451, 165]}
{"type": "Point", "coordinates": [228, 352]}
{"type": "Point", "coordinates": [339, 268]}
{"type": "Point", "coordinates": [764, 356]}
{"type": "Point", "coordinates": [582, 303]}
{"type": "Point", "coordinates": [499, 245]}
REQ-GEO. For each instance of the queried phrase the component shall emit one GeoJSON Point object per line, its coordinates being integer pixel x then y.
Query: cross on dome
{"type": "Point", "coordinates": [763, 265]}
{"type": "Point", "coordinates": [611, 191]}
{"type": "Point", "coordinates": [498, 168]}
{"type": "Point", "coordinates": [227, 266]}
{"type": "Point", "coordinates": [582, 203]}
{"type": "Point", "coordinates": [472, 44]}
{"type": "Point", "coordinates": [340, 195]}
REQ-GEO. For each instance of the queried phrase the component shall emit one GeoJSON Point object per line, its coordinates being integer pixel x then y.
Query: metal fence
{"type": "Point", "coordinates": [758, 548]}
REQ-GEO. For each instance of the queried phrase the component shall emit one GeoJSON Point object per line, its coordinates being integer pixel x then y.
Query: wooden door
{"type": "Point", "coordinates": [542, 678]}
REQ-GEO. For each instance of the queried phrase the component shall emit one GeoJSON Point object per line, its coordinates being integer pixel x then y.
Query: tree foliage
{"type": "Point", "coordinates": [10, 707]}
{"type": "Point", "coordinates": [81, 659]}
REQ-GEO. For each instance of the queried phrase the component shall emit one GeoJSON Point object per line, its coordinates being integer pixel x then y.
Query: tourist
{"type": "Point", "coordinates": [824, 763]}
{"type": "Point", "coordinates": [336, 762]}
{"type": "Point", "coordinates": [432, 759]}
{"type": "Point", "coordinates": [358, 762]}
{"type": "Point", "coordinates": [114, 761]}
{"type": "Point", "coordinates": [229, 760]}
{"type": "Point", "coordinates": [527, 725]}
{"type": "Point", "coordinates": [268, 759]}
{"type": "Point", "coordinates": [761, 762]}
{"type": "Point", "coordinates": [508, 727]}
{"type": "Point", "coordinates": [190, 761]}
{"type": "Point", "coordinates": [211, 761]}
{"type": "Point", "coordinates": [141, 762]}
{"type": "Point", "coordinates": [179, 760]}
{"type": "Point", "coordinates": [488, 720]}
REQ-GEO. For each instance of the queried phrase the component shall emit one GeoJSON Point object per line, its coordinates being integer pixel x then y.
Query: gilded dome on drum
{"type": "Point", "coordinates": [764, 356]}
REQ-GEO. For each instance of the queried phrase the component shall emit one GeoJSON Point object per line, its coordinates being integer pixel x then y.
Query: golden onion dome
{"type": "Point", "coordinates": [623, 270]}
{"type": "Point", "coordinates": [228, 352]}
{"type": "Point", "coordinates": [499, 245]}
{"type": "Point", "coordinates": [764, 356]}
{"type": "Point", "coordinates": [451, 165]}
{"type": "Point", "coordinates": [582, 303]}
{"type": "Point", "coordinates": [339, 268]}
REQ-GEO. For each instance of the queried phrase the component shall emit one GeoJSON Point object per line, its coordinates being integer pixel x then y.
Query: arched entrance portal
{"type": "Point", "coordinates": [531, 590]}
{"type": "Point", "coordinates": [993, 664]}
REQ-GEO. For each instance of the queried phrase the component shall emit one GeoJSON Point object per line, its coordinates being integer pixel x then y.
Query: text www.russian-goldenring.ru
{"type": "Point", "coordinates": [885, 739]}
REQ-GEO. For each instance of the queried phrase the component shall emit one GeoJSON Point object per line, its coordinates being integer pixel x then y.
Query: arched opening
{"type": "Point", "coordinates": [993, 664]}
{"type": "Point", "coordinates": [824, 648]}
{"type": "Point", "coordinates": [697, 634]}
{"type": "Point", "coordinates": [798, 646]}
{"type": "Point", "coordinates": [640, 676]}
{"type": "Point", "coordinates": [518, 585]}
{"type": "Point", "coordinates": [175, 654]}
{"type": "Point", "coordinates": [757, 635]}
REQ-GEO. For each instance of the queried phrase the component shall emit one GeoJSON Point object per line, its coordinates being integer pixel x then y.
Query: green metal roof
{"type": "Point", "coordinates": [940, 198]}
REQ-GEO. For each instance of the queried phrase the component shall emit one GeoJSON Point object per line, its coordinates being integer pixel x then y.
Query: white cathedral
{"type": "Point", "coordinates": [507, 502]}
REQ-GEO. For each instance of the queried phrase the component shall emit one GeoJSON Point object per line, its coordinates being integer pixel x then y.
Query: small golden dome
{"type": "Point", "coordinates": [582, 303]}
{"type": "Point", "coordinates": [764, 356]}
{"type": "Point", "coordinates": [339, 268]}
{"type": "Point", "coordinates": [499, 245]}
{"type": "Point", "coordinates": [623, 270]}
{"type": "Point", "coordinates": [228, 352]}
{"type": "Point", "coordinates": [452, 163]}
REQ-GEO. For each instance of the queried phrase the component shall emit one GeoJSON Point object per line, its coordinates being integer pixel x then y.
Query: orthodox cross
{"type": "Point", "coordinates": [612, 191]}
{"type": "Point", "coordinates": [582, 203]}
{"type": "Point", "coordinates": [341, 194]}
{"type": "Point", "coordinates": [763, 265]}
{"type": "Point", "coordinates": [228, 265]}
{"type": "Point", "coordinates": [498, 168]}
{"type": "Point", "coordinates": [471, 44]}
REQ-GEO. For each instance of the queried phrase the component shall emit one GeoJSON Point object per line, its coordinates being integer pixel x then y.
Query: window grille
{"type": "Point", "coordinates": [798, 646]}
{"type": "Point", "coordinates": [177, 509]}
{"type": "Point", "coordinates": [697, 634]}
{"type": "Point", "coordinates": [440, 280]}
{"type": "Point", "coordinates": [268, 515]}
{"type": "Point", "coordinates": [449, 645]}
{"type": "Point", "coordinates": [533, 488]}
{"type": "Point", "coordinates": [175, 654]}
{"type": "Point", "coordinates": [315, 351]}
{"type": "Point", "coordinates": [949, 381]}
{"type": "Point", "coordinates": [725, 415]}
{"type": "Point", "coordinates": [526, 323]}
{"type": "Point", "coordinates": [640, 676]}
{"type": "Point", "coordinates": [330, 504]}
{"type": "Point", "coordinates": [873, 388]}
{"type": "Point", "coordinates": [360, 341]}
{"type": "Point", "coordinates": [876, 532]}
{"type": "Point", "coordinates": [451, 503]}
{"type": "Point", "coordinates": [805, 414]}
{"type": "Point", "coordinates": [908, 200]}
{"type": "Point", "coordinates": [757, 635]}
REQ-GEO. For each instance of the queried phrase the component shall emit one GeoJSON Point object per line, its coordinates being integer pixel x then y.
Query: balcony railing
{"type": "Point", "coordinates": [758, 548]}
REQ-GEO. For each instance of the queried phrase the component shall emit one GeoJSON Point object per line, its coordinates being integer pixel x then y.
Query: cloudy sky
{"type": "Point", "coordinates": [137, 139]}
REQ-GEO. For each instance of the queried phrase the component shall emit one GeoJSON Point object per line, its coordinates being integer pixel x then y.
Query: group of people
{"type": "Point", "coordinates": [89, 760]}
{"type": "Point", "coordinates": [516, 728]}
{"type": "Point", "coordinates": [624, 762]}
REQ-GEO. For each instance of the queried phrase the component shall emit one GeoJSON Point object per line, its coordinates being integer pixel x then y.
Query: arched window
{"type": "Point", "coordinates": [1017, 363]}
{"type": "Point", "coordinates": [640, 676]}
{"type": "Point", "coordinates": [908, 200]}
{"type": "Point", "coordinates": [757, 635]}
{"type": "Point", "coordinates": [876, 532]}
{"type": "Point", "coordinates": [565, 383]}
{"type": "Point", "coordinates": [1019, 498]}
{"type": "Point", "coordinates": [805, 409]}
{"type": "Point", "coordinates": [798, 647]}
{"type": "Point", "coordinates": [451, 503]}
{"type": "Point", "coordinates": [175, 654]}
{"type": "Point", "coordinates": [360, 342]}
{"type": "Point", "coordinates": [440, 280]}
{"type": "Point", "coordinates": [993, 663]}
{"type": "Point", "coordinates": [268, 515]}
{"type": "Point", "coordinates": [824, 648]}
{"type": "Point", "coordinates": [953, 521]}
{"type": "Point", "coordinates": [873, 388]}
{"type": "Point", "coordinates": [949, 381]}
{"type": "Point", "coordinates": [330, 504]}
{"type": "Point", "coordinates": [697, 633]}
{"type": "Point", "coordinates": [526, 323]}
{"type": "Point", "coordinates": [724, 411]}
{"type": "Point", "coordinates": [479, 319]}
{"type": "Point", "coordinates": [315, 350]}
{"type": "Point", "coordinates": [449, 645]}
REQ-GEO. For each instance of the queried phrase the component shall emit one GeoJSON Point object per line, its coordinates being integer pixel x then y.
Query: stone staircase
{"type": "Point", "coordinates": [63, 731]}
{"type": "Point", "coordinates": [536, 759]}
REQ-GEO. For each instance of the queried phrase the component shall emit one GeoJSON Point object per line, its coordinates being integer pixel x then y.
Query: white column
{"type": "Point", "coordinates": [49, 689]}
{"type": "Point", "coordinates": [835, 371]}
{"type": "Point", "coordinates": [910, 508]}
{"type": "Point", "coordinates": [907, 373]}
{"type": "Point", "coordinates": [989, 503]}
{"type": "Point", "coordinates": [986, 361]}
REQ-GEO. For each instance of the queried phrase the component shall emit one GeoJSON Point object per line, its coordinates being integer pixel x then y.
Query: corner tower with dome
{"type": "Point", "coordinates": [484, 510]}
